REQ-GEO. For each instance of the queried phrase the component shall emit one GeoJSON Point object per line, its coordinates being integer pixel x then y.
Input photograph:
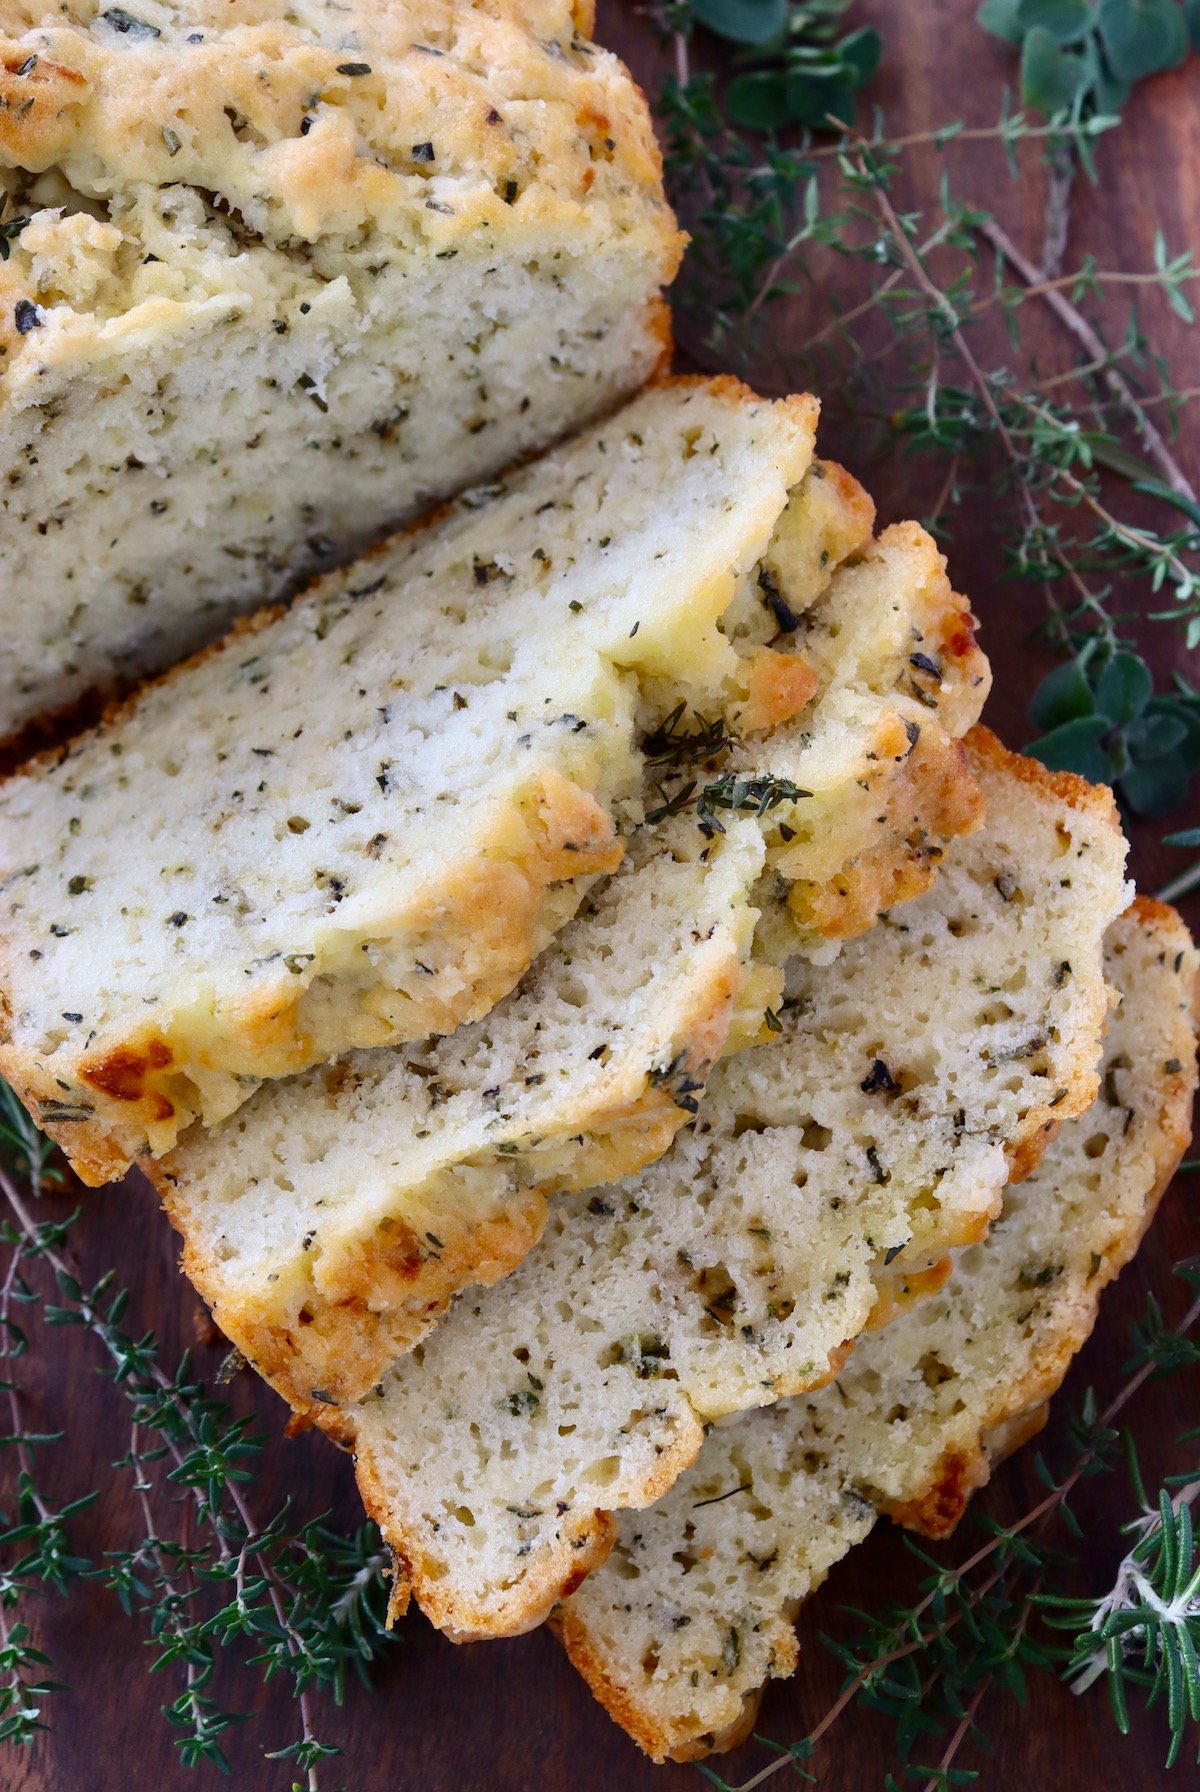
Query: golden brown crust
{"type": "Point", "coordinates": [988, 749]}
{"type": "Point", "coordinates": [855, 504]}
{"type": "Point", "coordinates": [632, 1715]}
{"type": "Point", "coordinates": [779, 686]}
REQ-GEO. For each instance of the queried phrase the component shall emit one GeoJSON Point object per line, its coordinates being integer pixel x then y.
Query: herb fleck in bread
{"type": "Point", "coordinates": [277, 277]}
{"type": "Point", "coordinates": [826, 1175]}
{"type": "Point", "coordinates": [330, 1220]}
{"type": "Point", "coordinates": [678, 1632]}
{"type": "Point", "coordinates": [483, 685]}
{"type": "Point", "coordinates": [361, 818]}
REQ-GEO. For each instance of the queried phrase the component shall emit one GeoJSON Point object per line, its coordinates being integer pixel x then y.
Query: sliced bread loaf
{"type": "Point", "coordinates": [330, 1220]}
{"type": "Point", "coordinates": [276, 276]}
{"type": "Point", "coordinates": [824, 1178]}
{"type": "Point", "coordinates": [678, 1631]}
{"type": "Point", "coordinates": [359, 819]}
{"type": "Point", "coordinates": [313, 1258]}
{"type": "Point", "coordinates": [483, 686]}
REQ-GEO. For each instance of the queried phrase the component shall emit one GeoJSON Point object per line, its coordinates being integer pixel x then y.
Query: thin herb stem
{"type": "Point", "coordinates": [1180, 886]}
{"type": "Point", "coordinates": [300, 1660]}
{"type": "Point", "coordinates": [1151, 438]}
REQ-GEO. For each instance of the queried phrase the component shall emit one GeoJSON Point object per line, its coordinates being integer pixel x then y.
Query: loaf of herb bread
{"type": "Point", "coordinates": [824, 1179]}
{"type": "Point", "coordinates": [330, 1220]}
{"type": "Point", "coordinates": [384, 863]}
{"type": "Point", "coordinates": [678, 1632]}
{"type": "Point", "coordinates": [276, 276]}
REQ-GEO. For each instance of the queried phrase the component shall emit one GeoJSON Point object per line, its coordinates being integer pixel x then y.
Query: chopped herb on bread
{"type": "Point", "coordinates": [329, 1222]}
{"type": "Point", "coordinates": [501, 693]}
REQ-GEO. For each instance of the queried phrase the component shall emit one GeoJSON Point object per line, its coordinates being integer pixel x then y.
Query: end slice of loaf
{"type": "Point", "coordinates": [360, 819]}
{"type": "Point", "coordinates": [824, 1179]}
{"type": "Point", "coordinates": [678, 1632]}
{"type": "Point", "coordinates": [330, 1220]}
{"type": "Point", "coordinates": [279, 277]}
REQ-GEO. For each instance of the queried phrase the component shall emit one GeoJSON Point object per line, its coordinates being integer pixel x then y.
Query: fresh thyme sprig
{"type": "Point", "coordinates": [297, 1600]}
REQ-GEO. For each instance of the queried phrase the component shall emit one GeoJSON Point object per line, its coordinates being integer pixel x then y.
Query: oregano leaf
{"type": "Point", "coordinates": [742, 21]}
{"type": "Point", "coordinates": [1051, 77]}
{"type": "Point", "coordinates": [1154, 736]}
{"type": "Point", "coordinates": [760, 100]}
{"type": "Point", "coordinates": [1141, 37]}
{"type": "Point", "coordinates": [1124, 687]}
{"type": "Point", "coordinates": [1155, 787]}
{"type": "Point", "coordinates": [1003, 19]}
{"type": "Point", "coordinates": [1075, 747]}
{"type": "Point", "coordinates": [1062, 695]}
{"type": "Point", "coordinates": [1067, 21]}
{"type": "Point", "coordinates": [861, 52]}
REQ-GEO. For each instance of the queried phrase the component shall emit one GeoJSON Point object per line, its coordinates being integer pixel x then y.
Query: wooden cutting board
{"type": "Point", "coordinates": [513, 1717]}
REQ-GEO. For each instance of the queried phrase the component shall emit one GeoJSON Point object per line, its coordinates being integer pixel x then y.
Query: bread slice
{"type": "Point", "coordinates": [276, 277]}
{"type": "Point", "coordinates": [484, 686]}
{"type": "Point", "coordinates": [328, 1223]}
{"type": "Point", "coordinates": [826, 1175]}
{"type": "Point", "coordinates": [679, 1630]}
{"type": "Point", "coordinates": [361, 818]}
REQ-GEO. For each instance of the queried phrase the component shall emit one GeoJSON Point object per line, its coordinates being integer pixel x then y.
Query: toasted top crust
{"type": "Point", "coordinates": [346, 135]}
{"type": "Point", "coordinates": [320, 119]}
{"type": "Point", "coordinates": [677, 1634]}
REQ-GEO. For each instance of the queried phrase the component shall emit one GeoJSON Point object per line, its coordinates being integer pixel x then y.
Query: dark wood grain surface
{"type": "Point", "coordinates": [513, 1717]}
